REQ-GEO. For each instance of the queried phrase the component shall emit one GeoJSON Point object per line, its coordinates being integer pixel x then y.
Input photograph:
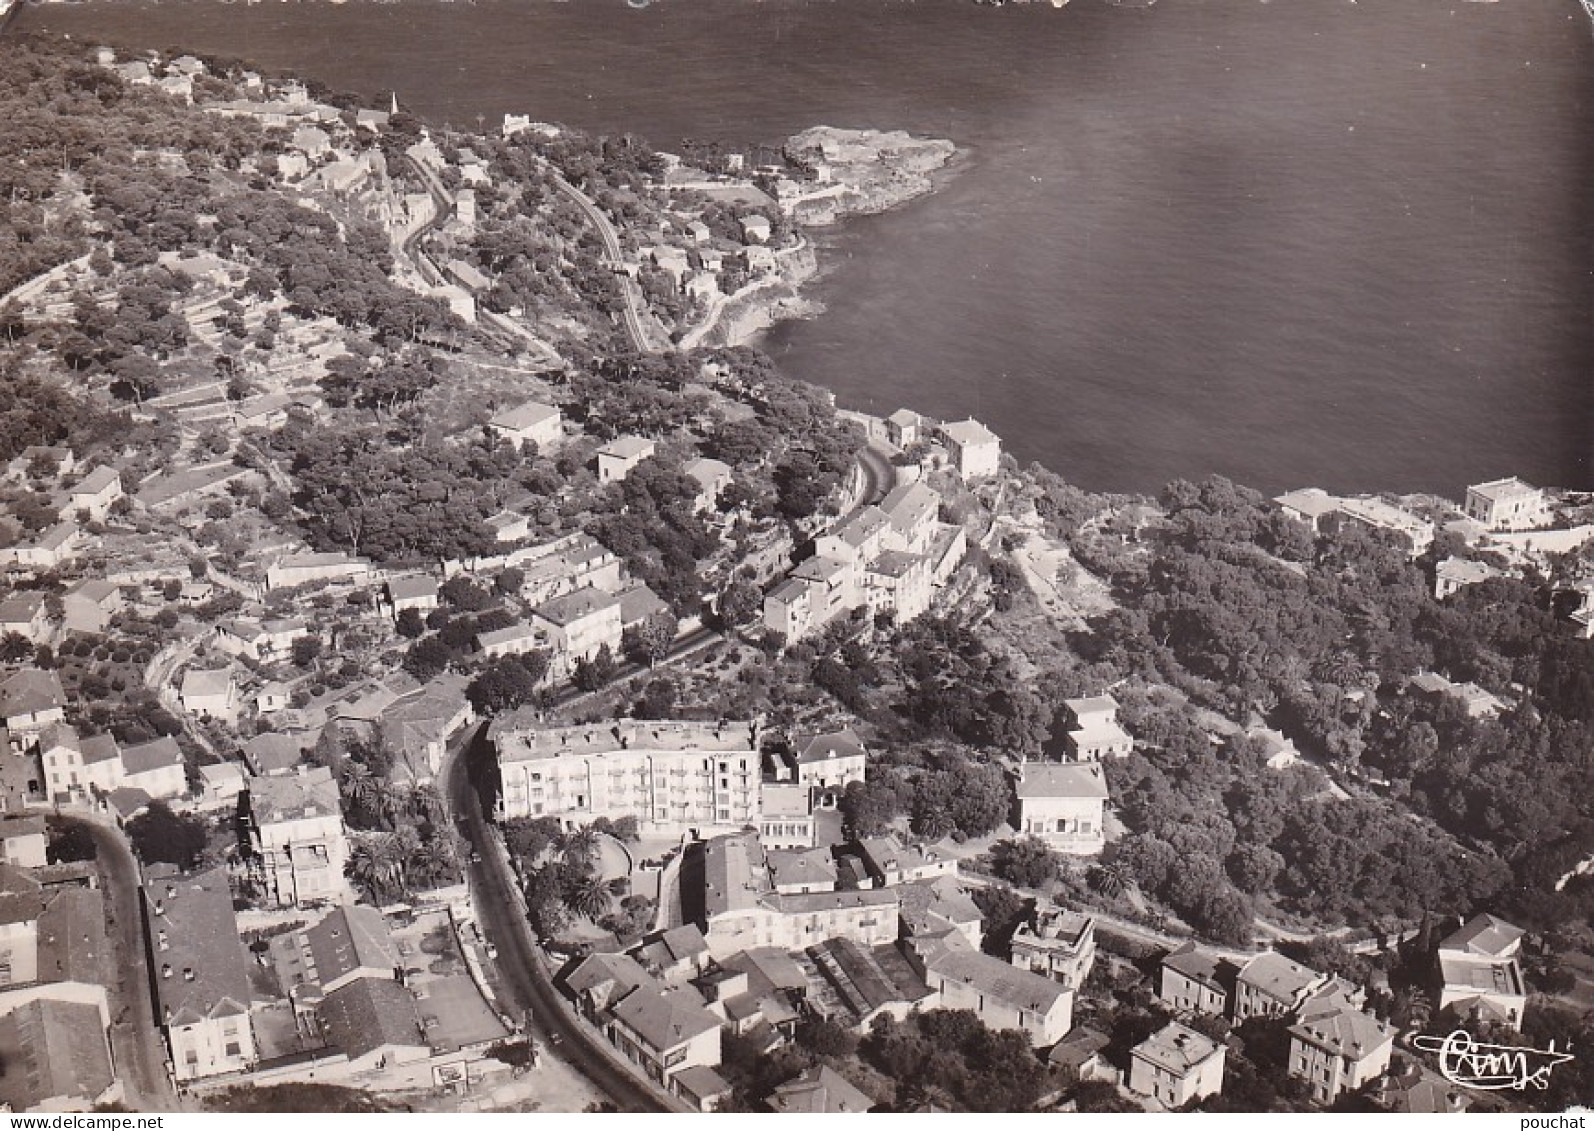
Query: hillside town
{"type": "Point", "coordinates": [457, 672]}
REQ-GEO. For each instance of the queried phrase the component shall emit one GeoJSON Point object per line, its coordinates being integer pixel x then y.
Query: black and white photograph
{"type": "Point", "coordinates": [821, 557]}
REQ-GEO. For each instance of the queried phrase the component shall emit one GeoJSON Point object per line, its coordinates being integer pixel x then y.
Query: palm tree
{"type": "Point", "coordinates": [407, 844]}
{"type": "Point", "coordinates": [359, 785]}
{"type": "Point", "coordinates": [588, 896]}
{"type": "Point", "coordinates": [376, 865]}
{"type": "Point", "coordinates": [1109, 879]}
{"type": "Point", "coordinates": [581, 846]}
{"type": "Point", "coordinates": [434, 860]}
{"type": "Point", "coordinates": [1342, 669]}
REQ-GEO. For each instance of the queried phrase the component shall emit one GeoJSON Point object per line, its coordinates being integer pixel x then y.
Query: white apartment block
{"type": "Point", "coordinates": [672, 776]}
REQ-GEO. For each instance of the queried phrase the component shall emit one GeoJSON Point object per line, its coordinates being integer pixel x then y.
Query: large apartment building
{"type": "Point", "coordinates": [671, 776]}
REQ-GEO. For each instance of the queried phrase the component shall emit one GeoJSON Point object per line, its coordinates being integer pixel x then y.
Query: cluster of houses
{"type": "Point", "coordinates": [777, 922]}
{"type": "Point", "coordinates": [55, 962]}
{"type": "Point", "coordinates": [76, 497]}
{"type": "Point", "coordinates": [1495, 514]}
{"type": "Point", "coordinates": [891, 558]}
{"type": "Point", "coordinates": [347, 995]}
{"type": "Point", "coordinates": [1335, 1046]}
{"type": "Point", "coordinates": [1503, 518]}
{"type": "Point", "coordinates": [773, 937]}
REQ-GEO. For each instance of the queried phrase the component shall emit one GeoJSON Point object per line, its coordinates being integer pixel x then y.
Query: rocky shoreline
{"type": "Point", "coordinates": [856, 173]}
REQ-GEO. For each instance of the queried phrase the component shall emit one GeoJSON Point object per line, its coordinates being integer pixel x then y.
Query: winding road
{"type": "Point", "coordinates": [879, 474]}
{"type": "Point", "coordinates": [519, 966]}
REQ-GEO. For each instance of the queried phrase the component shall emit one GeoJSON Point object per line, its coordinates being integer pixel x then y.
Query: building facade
{"type": "Point", "coordinates": [671, 776]}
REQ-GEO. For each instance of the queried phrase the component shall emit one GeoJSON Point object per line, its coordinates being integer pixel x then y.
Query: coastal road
{"type": "Point", "coordinates": [879, 474]}
{"type": "Point", "coordinates": [135, 1040]}
{"type": "Point", "coordinates": [528, 991]}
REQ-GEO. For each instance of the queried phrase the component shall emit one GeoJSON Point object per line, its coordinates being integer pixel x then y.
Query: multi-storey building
{"type": "Point", "coordinates": [296, 841]}
{"type": "Point", "coordinates": [740, 908]}
{"type": "Point", "coordinates": [671, 776]}
{"type": "Point", "coordinates": [1064, 805]}
{"type": "Point", "coordinates": [1336, 1048]}
{"type": "Point", "coordinates": [1175, 1065]}
{"type": "Point", "coordinates": [1270, 985]}
{"type": "Point", "coordinates": [578, 626]}
{"type": "Point", "coordinates": [201, 972]}
{"type": "Point", "coordinates": [1061, 945]}
{"type": "Point", "coordinates": [1507, 504]}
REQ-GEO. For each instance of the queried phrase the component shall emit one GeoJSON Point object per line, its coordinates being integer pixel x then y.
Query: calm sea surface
{"type": "Point", "coordinates": [1306, 241]}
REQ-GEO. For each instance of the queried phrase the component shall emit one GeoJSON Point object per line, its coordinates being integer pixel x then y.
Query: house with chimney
{"type": "Point", "coordinates": [976, 451]}
{"type": "Point", "coordinates": [1001, 995]}
{"type": "Point", "coordinates": [820, 1091]}
{"type": "Point", "coordinates": [1270, 985]}
{"type": "Point", "coordinates": [831, 760]}
{"type": "Point", "coordinates": [1060, 944]}
{"type": "Point", "coordinates": [890, 861]}
{"type": "Point", "coordinates": [1176, 1065]}
{"type": "Point", "coordinates": [578, 626]}
{"type": "Point", "coordinates": [30, 700]}
{"type": "Point", "coordinates": [1336, 1048]}
{"type": "Point", "coordinates": [666, 1032]}
{"type": "Point", "coordinates": [620, 455]}
{"type": "Point", "coordinates": [201, 972]}
{"type": "Point", "coordinates": [936, 906]}
{"type": "Point", "coordinates": [1193, 980]}
{"type": "Point", "coordinates": [904, 428]}
{"type": "Point", "coordinates": [75, 767]}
